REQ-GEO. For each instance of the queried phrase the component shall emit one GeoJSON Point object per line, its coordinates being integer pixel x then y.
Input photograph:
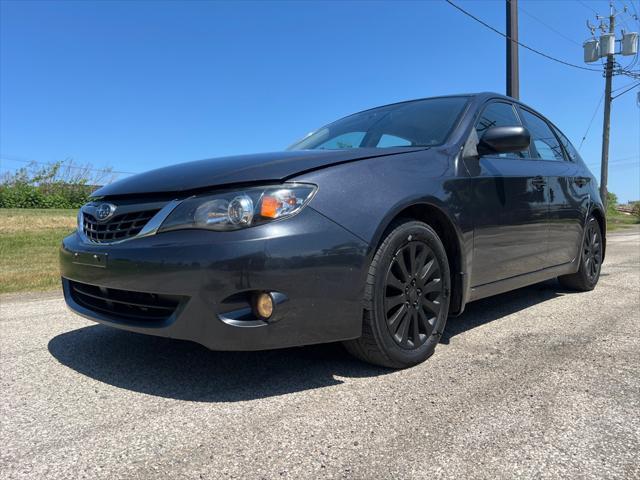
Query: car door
{"type": "Point", "coordinates": [568, 191]}
{"type": "Point", "coordinates": [510, 207]}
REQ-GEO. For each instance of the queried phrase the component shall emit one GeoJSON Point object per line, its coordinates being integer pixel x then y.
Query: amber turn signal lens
{"type": "Point", "coordinates": [269, 207]}
{"type": "Point", "coordinates": [264, 305]}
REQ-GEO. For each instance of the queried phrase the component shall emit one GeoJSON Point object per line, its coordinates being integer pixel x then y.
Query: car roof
{"type": "Point", "coordinates": [479, 96]}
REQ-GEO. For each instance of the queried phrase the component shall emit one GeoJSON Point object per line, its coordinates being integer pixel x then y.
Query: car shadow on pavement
{"type": "Point", "coordinates": [188, 371]}
{"type": "Point", "coordinates": [489, 309]}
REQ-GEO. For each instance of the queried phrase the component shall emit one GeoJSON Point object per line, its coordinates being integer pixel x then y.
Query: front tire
{"type": "Point", "coordinates": [587, 276]}
{"type": "Point", "coordinates": [406, 299]}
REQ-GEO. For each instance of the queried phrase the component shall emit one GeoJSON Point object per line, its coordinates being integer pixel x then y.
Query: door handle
{"type": "Point", "coordinates": [538, 182]}
{"type": "Point", "coordinates": [581, 181]}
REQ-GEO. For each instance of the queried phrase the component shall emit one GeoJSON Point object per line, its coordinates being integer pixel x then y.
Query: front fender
{"type": "Point", "coordinates": [424, 181]}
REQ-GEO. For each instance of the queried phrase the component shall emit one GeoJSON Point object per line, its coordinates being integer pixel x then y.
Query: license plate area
{"type": "Point", "coordinates": [98, 260]}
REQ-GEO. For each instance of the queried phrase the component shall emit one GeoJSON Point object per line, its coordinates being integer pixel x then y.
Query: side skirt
{"type": "Point", "coordinates": [495, 288]}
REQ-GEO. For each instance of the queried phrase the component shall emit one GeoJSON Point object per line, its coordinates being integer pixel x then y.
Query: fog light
{"type": "Point", "coordinates": [264, 305]}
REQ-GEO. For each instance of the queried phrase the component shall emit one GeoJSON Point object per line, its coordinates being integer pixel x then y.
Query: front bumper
{"type": "Point", "coordinates": [318, 267]}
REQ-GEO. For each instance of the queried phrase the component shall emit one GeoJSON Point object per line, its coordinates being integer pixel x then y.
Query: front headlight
{"type": "Point", "coordinates": [237, 209]}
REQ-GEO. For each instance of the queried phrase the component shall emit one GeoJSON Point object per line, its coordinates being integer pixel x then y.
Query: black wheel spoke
{"type": "Point", "coordinates": [404, 329]}
{"type": "Point", "coordinates": [428, 270]}
{"type": "Point", "coordinates": [401, 261]}
{"type": "Point", "coordinates": [413, 291]}
{"type": "Point", "coordinates": [395, 282]}
{"type": "Point", "coordinates": [425, 322]}
{"type": "Point", "coordinates": [422, 258]}
{"type": "Point", "coordinates": [416, 330]}
{"type": "Point", "coordinates": [397, 317]}
{"type": "Point", "coordinates": [412, 259]}
{"type": "Point", "coordinates": [432, 306]}
{"type": "Point", "coordinates": [432, 286]}
{"type": "Point", "coordinates": [395, 301]}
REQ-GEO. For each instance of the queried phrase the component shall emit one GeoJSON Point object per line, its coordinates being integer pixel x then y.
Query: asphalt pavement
{"type": "Point", "coordinates": [536, 383]}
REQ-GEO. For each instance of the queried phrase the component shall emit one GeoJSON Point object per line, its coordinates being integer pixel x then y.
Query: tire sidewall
{"type": "Point", "coordinates": [406, 232]}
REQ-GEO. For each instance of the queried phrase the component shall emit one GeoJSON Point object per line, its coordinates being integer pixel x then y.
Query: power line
{"type": "Point", "coordinates": [519, 43]}
{"type": "Point", "coordinates": [633, 16]}
{"type": "Point", "coordinates": [624, 159]}
{"type": "Point", "coordinates": [587, 6]}
{"type": "Point", "coordinates": [618, 168]}
{"type": "Point", "coordinates": [627, 90]}
{"type": "Point", "coordinates": [624, 86]}
{"type": "Point", "coordinates": [66, 164]}
{"type": "Point", "coordinates": [595, 112]}
{"type": "Point", "coordinates": [627, 167]}
{"type": "Point", "coordinates": [633, 160]}
{"type": "Point", "coordinates": [632, 63]}
{"type": "Point", "coordinates": [635, 12]}
{"type": "Point", "coordinates": [624, 22]}
{"type": "Point", "coordinates": [549, 26]}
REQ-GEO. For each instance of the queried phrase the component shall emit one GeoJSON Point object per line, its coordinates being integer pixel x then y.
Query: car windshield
{"type": "Point", "coordinates": [420, 123]}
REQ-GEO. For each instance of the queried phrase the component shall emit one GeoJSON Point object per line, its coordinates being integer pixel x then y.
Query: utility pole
{"type": "Point", "coordinates": [513, 75]}
{"type": "Point", "coordinates": [606, 124]}
{"type": "Point", "coordinates": [605, 46]}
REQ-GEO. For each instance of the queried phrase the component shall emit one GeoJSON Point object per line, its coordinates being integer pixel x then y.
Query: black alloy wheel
{"type": "Point", "coordinates": [591, 256]}
{"type": "Point", "coordinates": [413, 294]}
{"type": "Point", "coordinates": [592, 252]}
{"type": "Point", "coordinates": [406, 300]}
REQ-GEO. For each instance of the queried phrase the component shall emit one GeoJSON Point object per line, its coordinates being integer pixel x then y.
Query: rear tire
{"type": "Point", "coordinates": [587, 276]}
{"type": "Point", "coordinates": [406, 299]}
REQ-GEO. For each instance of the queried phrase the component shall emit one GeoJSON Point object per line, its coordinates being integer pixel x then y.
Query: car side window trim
{"type": "Point", "coordinates": [532, 147]}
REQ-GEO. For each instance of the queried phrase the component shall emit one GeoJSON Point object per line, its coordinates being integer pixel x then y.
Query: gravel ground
{"type": "Point", "coordinates": [540, 383]}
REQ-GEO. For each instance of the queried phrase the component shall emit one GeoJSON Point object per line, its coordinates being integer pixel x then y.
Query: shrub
{"type": "Point", "coordinates": [612, 203]}
{"type": "Point", "coordinates": [56, 185]}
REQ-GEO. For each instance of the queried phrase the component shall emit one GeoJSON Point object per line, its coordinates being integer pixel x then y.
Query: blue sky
{"type": "Point", "coordinates": [138, 85]}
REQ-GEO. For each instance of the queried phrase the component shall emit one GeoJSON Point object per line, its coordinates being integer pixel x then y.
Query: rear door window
{"type": "Point", "coordinates": [569, 149]}
{"type": "Point", "coordinates": [499, 114]}
{"type": "Point", "coordinates": [545, 143]}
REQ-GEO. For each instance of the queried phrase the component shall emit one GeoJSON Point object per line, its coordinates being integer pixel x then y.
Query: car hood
{"type": "Point", "coordinates": [213, 172]}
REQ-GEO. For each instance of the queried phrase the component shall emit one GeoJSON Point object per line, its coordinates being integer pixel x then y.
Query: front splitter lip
{"type": "Point", "coordinates": [316, 263]}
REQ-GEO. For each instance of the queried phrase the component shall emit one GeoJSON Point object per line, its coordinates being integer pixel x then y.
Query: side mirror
{"type": "Point", "coordinates": [504, 140]}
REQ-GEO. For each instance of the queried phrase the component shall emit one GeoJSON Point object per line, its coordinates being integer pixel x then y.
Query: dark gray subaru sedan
{"type": "Point", "coordinates": [371, 230]}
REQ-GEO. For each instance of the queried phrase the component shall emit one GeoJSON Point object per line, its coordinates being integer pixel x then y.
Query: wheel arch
{"type": "Point", "coordinates": [438, 219]}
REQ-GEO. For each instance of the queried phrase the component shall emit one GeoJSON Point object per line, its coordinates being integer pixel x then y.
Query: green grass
{"type": "Point", "coordinates": [618, 221]}
{"type": "Point", "coordinates": [29, 242]}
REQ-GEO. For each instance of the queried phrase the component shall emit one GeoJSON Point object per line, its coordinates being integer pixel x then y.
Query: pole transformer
{"type": "Point", "coordinates": [513, 75]}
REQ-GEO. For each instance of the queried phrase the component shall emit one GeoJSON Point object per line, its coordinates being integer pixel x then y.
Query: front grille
{"type": "Point", "coordinates": [125, 304]}
{"type": "Point", "coordinates": [120, 227]}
